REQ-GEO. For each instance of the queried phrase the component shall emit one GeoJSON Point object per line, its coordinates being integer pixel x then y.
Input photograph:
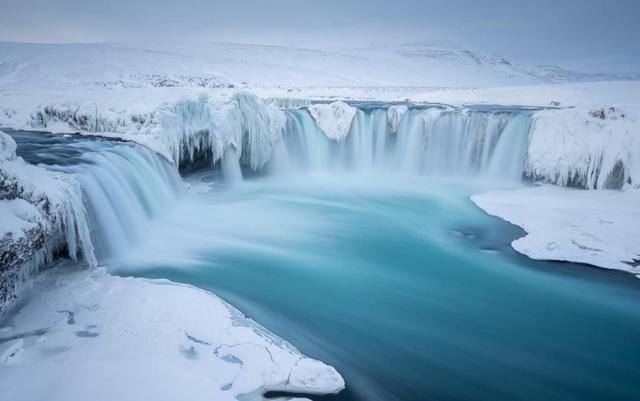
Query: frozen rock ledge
{"type": "Point", "coordinates": [333, 119]}
{"type": "Point", "coordinates": [87, 335]}
{"type": "Point", "coordinates": [599, 228]}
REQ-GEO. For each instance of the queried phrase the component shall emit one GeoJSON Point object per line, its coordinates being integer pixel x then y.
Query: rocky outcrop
{"type": "Point", "coordinates": [42, 214]}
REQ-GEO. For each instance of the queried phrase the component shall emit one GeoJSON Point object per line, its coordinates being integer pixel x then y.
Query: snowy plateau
{"type": "Point", "coordinates": [582, 158]}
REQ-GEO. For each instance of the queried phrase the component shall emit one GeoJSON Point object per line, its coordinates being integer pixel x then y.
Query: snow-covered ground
{"type": "Point", "coordinates": [595, 227]}
{"type": "Point", "coordinates": [81, 66]}
{"type": "Point", "coordinates": [90, 335]}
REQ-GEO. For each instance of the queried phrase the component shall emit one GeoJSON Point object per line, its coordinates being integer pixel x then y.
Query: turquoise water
{"type": "Point", "coordinates": [400, 282]}
{"type": "Point", "coordinates": [403, 285]}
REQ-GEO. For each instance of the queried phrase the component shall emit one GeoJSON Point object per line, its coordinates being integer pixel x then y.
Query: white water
{"type": "Point", "coordinates": [433, 141]}
{"type": "Point", "coordinates": [124, 188]}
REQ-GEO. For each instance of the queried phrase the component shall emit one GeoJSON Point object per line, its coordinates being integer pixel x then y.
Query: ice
{"type": "Point", "coordinates": [333, 119]}
{"type": "Point", "coordinates": [593, 148]}
{"type": "Point", "coordinates": [593, 227]}
{"type": "Point", "coordinates": [221, 104]}
{"type": "Point", "coordinates": [18, 216]}
{"type": "Point", "coordinates": [155, 339]}
{"type": "Point", "coordinates": [57, 196]}
{"type": "Point", "coordinates": [41, 212]}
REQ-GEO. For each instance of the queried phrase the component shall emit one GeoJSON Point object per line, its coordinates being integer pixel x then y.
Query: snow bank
{"type": "Point", "coordinates": [594, 227]}
{"type": "Point", "coordinates": [42, 212]}
{"type": "Point", "coordinates": [594, 148]}
{"type": "Point", "coordinates": [113, 338]}
{"type": "Point", "coordinates": [333, 119]}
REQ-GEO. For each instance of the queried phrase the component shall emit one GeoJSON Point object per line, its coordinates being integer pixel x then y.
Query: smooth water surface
{"type": "Point", "coordinates": [403, 285]}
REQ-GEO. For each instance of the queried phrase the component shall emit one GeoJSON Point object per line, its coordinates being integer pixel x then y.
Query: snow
{"type": "Point", "coordinates": [592, 148]}
{"type": "Point", "coordinates": [599, 228]}
{"type": "Point", "coordinates": [333, 119]}
{"type": "Point", "coordinates": [17, 216]}
{"type": "Point", "coordinates": [48, 204]}
{"type": "Point", "coordinates": [395, 114]}
{"type": "Point", "coordinates": [183, 99]}
{"type": "Point", "coordinates": [587, 94]}
{"type": "Point", "coordinates": [210, 65]}
{"type": "Point", "coordinates": [84, 334]}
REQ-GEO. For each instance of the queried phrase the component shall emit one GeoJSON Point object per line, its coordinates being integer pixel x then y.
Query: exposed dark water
{"type": "Point", "coordinates": [55, 149]}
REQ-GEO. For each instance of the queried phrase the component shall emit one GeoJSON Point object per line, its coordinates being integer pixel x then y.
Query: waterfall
{"type": "Point", "coordinates": [231, 165]}
{"type": "Point", "coordinates": [306, 145]}
{"type": "Point", "coordinates": [124, 188]}
{"type": "Point", "coordinates": [366, 142]}
{"type": "Point", "coordinates": [430, 141]}
{"type": "Point", "coordinates": [509, 153]}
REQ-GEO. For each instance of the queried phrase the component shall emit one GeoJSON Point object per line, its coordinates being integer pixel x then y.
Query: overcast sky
{"type": "Point", "coordinates": [590, 35]}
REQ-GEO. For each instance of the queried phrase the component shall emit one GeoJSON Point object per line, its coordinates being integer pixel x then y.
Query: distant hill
{"type": "Point", "coordinates": [84, 66]}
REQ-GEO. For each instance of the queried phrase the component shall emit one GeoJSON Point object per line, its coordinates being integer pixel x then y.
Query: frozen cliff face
{"type": "Point", "coordinates": [41, 212]}
{"type": "Point", "coordinates": [206, 128]}
{"type": "Point", "coordinates": [593, 148]}
{"type": "Point", "coordinates": [588, 147]}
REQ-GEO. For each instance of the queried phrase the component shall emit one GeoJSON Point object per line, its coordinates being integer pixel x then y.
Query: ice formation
{"type": "Point", "coordinates": [333, 119]}
{"type": "Point", "coordinates": [395, 115]}
{"type": "Point", "coordinates": [155, 339]}
{"type": "Point", "coordinates": [587, 147]}
{"type": "Point", "coordinates": [590, 148]}
{"type": "Point", "coordinates": [433, 141]}
{"type": "Point", "coordinates": [46, 206]}
{"type": "Point", "coordinates": [204, 128]}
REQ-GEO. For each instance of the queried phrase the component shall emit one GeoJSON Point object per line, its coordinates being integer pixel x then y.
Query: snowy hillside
{"type": "Point", "coordinates": [214, 65]}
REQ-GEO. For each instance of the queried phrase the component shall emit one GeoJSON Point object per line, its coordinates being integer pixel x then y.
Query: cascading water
{"type": "Point", "coordinates": [306, 146]}
{"type": "Point", "coordinates": [124, 186]}
{"type": "Point", "coordinates": [432, 141]}
{"type": "Point", "coordinates": [421, 282]}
